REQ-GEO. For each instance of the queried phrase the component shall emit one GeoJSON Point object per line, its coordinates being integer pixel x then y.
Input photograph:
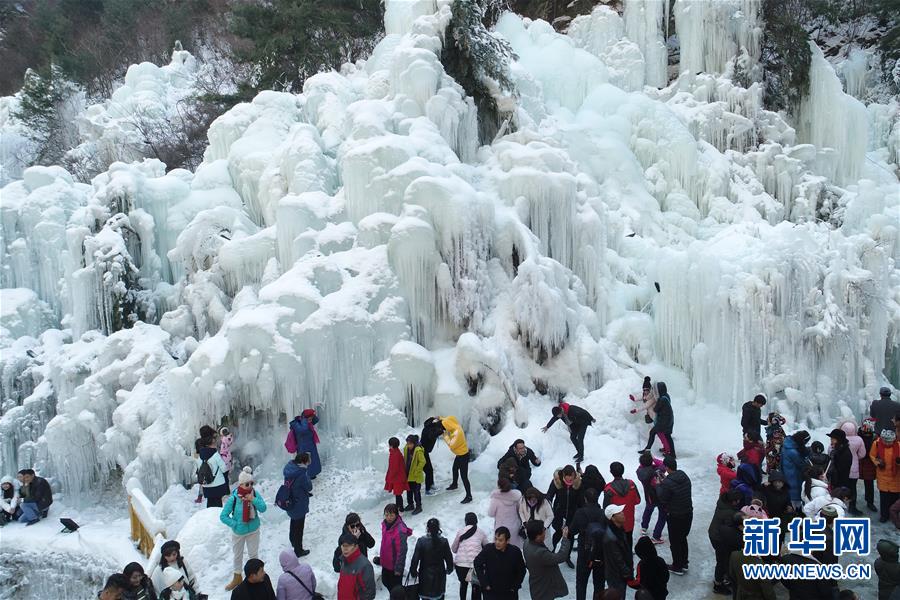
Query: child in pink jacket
{"type": "Point", "coordinates": [226, 439]}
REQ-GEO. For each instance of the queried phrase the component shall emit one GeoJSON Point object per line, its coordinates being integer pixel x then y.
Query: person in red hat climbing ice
{"type": "Point", "coordinates": [303, 437]}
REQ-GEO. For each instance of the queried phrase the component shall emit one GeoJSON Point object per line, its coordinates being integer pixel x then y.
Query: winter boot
{"type": "Point", "coordinates": [721, 588]}
{"type": "Point", "coordinates": [235, 581]}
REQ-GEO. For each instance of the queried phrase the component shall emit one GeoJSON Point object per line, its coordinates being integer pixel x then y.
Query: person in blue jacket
{"type": "Point", "coordinates": [793, 462]}
{"type": "Point", "coordinates": [297, 472]}
{"type": "Point", "coordinates": [304, 429]}
{"type": "Point", "coordinates": [241, 515]}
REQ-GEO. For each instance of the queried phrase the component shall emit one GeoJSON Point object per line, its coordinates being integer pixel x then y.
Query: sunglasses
{"type": "Point", "coordinates": [356, 526]}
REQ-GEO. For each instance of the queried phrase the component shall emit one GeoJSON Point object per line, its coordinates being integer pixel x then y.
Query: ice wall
{"type": "Point", "coordinates": [351, 248]}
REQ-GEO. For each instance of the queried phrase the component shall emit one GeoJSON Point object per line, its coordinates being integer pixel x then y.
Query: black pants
{"type": "Point", "coordinates": [723, 555]}
{"type": "Point", "coordinates": [679, 528]}
{"type": "Point", "coordinates": [414, 495]}
{"type": "Point", "coordinates": [398, 500]}
{"type": "Point", "coordinates": [869, 484]}
{"type": "Point", "coordinates": [885, 499]}
{"type": "Point", "coordinates": [629, 558]}
{"type": "Point", "coordinates": [296, 534]}
{"type": "Point", "coordinates": [576, 434]}
{"type": "Point", "coordinates": [429, 472]}
{"type": "Point", "coordinates": [390, 579]}
{"type": "Point", "coordinates": [214, 501]}
{"type": "Point", "coordinates": [851, 485]}
{"type": "Point", "coordinates": [583, 573]}
{"type": "Point", "coordinates": [461, 468]}
{"type": "Point", "coordinates": [461, 573]}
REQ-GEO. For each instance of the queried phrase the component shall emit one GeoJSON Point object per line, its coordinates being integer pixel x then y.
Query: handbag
{"type": "Point", "coordinates": [315, 595]}
{"type": "Point", "coordinates": [410, 590]}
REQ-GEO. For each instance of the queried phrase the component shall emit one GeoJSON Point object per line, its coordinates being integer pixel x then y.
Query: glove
{"type": "Point", "coordinates": [376, 561]}
{"type": "Point", "coordinates": [414, 573]}
{"type": "Point", "coordinates": [633, 410]}
{"type": "Point", "coordinates": [633, 399]}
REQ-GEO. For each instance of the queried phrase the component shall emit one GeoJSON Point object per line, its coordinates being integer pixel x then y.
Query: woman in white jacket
{"type": "Point", "coordinates": [466, 546]}
{"type": "Point", "coordinates": [816, 494]}
{"type": "Point", "coordinates": [9, 500]}
{"type": "Point", "coordinates": [534, 507]}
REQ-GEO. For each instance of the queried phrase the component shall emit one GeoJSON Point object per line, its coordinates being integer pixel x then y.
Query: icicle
{"type": "Point", "coordinates": [830, 119]}
{"type": "Point", "coordinates": [643, 25]}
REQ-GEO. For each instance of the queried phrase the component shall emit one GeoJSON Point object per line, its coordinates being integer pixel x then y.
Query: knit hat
{"type": "Point", "coordinates": [246, 476]}
{"type": "Point", "coordinates": [801, 437]}
{"type": "Point", "coordinates": [613, 509]}
{"type": "Point", "coordinates": [868, 425]}
{"type": "Point", "coordinates": [726, 459]}
{"type": "Point", "coordinates": [888, 436]}
{"type": "Point", "coordinates": [308, 412]}
{"type": "Point", "coordinates": [171, 575]}
{"type": "Point", "coordinates": [223, 431]}
{"type": "Point", "coordinates": [754, 511]}
{"type": "Point", "coordinates": [885, 392]}
{"type": "Point", "coordinates": [776, 476]}
{"type": "Point", "coordinates": [647, 385]}
{"type": "Point", "coordinates": [887, 550]}
{"type": "Point", "coordinates": [348, 538]}
{"type": "Point", "coordinates": [776, 419]}
{"type": "Point", "coordinates": [839, 435]}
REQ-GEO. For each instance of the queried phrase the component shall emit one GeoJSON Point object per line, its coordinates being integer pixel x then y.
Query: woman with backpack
{"type": "Point", "coordinates": [293, 498]}
{"type": "Point", "coordinates": [534, 507]}
{"type": "Point", "coordinates": [466, 546]}
{"type": "Point", "coordinates": [211, 472]}
{"type": "Point", "coordinates": [303, 437]}
{"type": "Point", "coordinates": [241, 514]}
{"type": "Point", "coordinates": [393, 547]}
{"type": "Point", "coordinates": [432, 562]}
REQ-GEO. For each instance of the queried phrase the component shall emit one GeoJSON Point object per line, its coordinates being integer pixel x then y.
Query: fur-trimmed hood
{"type": "Point", "coordinates": [558, 480]}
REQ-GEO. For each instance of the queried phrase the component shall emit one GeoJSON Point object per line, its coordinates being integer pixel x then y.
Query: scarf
{"type": "Point", "coordinates": [880, 448]}
{"type": "Point", "coordinates": [247, 511]}
{"type": "Point", "coordinates": [308, 415]}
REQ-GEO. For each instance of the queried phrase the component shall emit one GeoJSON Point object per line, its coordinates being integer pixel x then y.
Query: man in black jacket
{"type": "Point", "coordinates": [751, 415]}
{"type": "Point", "coordinates": [524, 457]}
{"type": "Point", "coordinates": [577, 419]}
{"type": "Point", "coordinates": [674, 494]}
{"type": "Point", "coordinates": [617, 559]}
{"type": "Point", "coordinates": [431, 431]}
{"type": "Point", "coordinates": [500, 568]}
{"type": "Point", "coordinates": [256, 584]}
{"type": "Point", "coordinates": [589, 526]}
{"type": "Point", "coordinates": [841, 460]}
{"type": "Point", "coordinates": [36, 497]}
{"type": "Point", "coordinates": [883, 410]}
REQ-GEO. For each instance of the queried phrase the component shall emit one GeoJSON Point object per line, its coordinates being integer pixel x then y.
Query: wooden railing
{"type": "Point", "coordinates": [145, 527]}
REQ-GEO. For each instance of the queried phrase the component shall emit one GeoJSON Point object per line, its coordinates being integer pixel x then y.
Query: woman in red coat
{"type": "Point", "coordinates": [395, 481]}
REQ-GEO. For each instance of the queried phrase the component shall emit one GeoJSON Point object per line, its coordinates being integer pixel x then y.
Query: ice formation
{"type": "Point", "coordinates": [352, 248]}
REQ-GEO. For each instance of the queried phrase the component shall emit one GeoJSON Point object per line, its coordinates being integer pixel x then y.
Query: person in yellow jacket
{"type": "Point", "coordinates": [414, 455]}
{"type": "Point", "coordinates": [455, 438]}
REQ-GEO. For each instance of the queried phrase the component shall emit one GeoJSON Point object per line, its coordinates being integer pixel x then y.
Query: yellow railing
{"type": "Point", "coordinates": [144, 526]}
{"type": "Point", "coordinates": [139, 534]}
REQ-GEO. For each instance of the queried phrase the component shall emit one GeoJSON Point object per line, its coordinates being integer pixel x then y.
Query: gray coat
{"type": "Point", "coordinates": [545, 580]}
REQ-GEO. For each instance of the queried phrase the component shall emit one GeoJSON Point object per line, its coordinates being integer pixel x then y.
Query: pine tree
{"type": "Point", "coordinates": [290, 40]}
{"type": "Point", "coordinates": [40, 103]}
{"type": "Point", "coordinates": [479, 61]}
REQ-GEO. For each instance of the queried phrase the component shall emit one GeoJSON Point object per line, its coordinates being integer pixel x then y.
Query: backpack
{"type": "Point", "coordinates": [284, 498]}
{"type": "Point", "coordinates": [592, 539]}
{"type": "Point", "coordinates": [205, 475]}
{"type": "Point", "coordinates": [290, 442]}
